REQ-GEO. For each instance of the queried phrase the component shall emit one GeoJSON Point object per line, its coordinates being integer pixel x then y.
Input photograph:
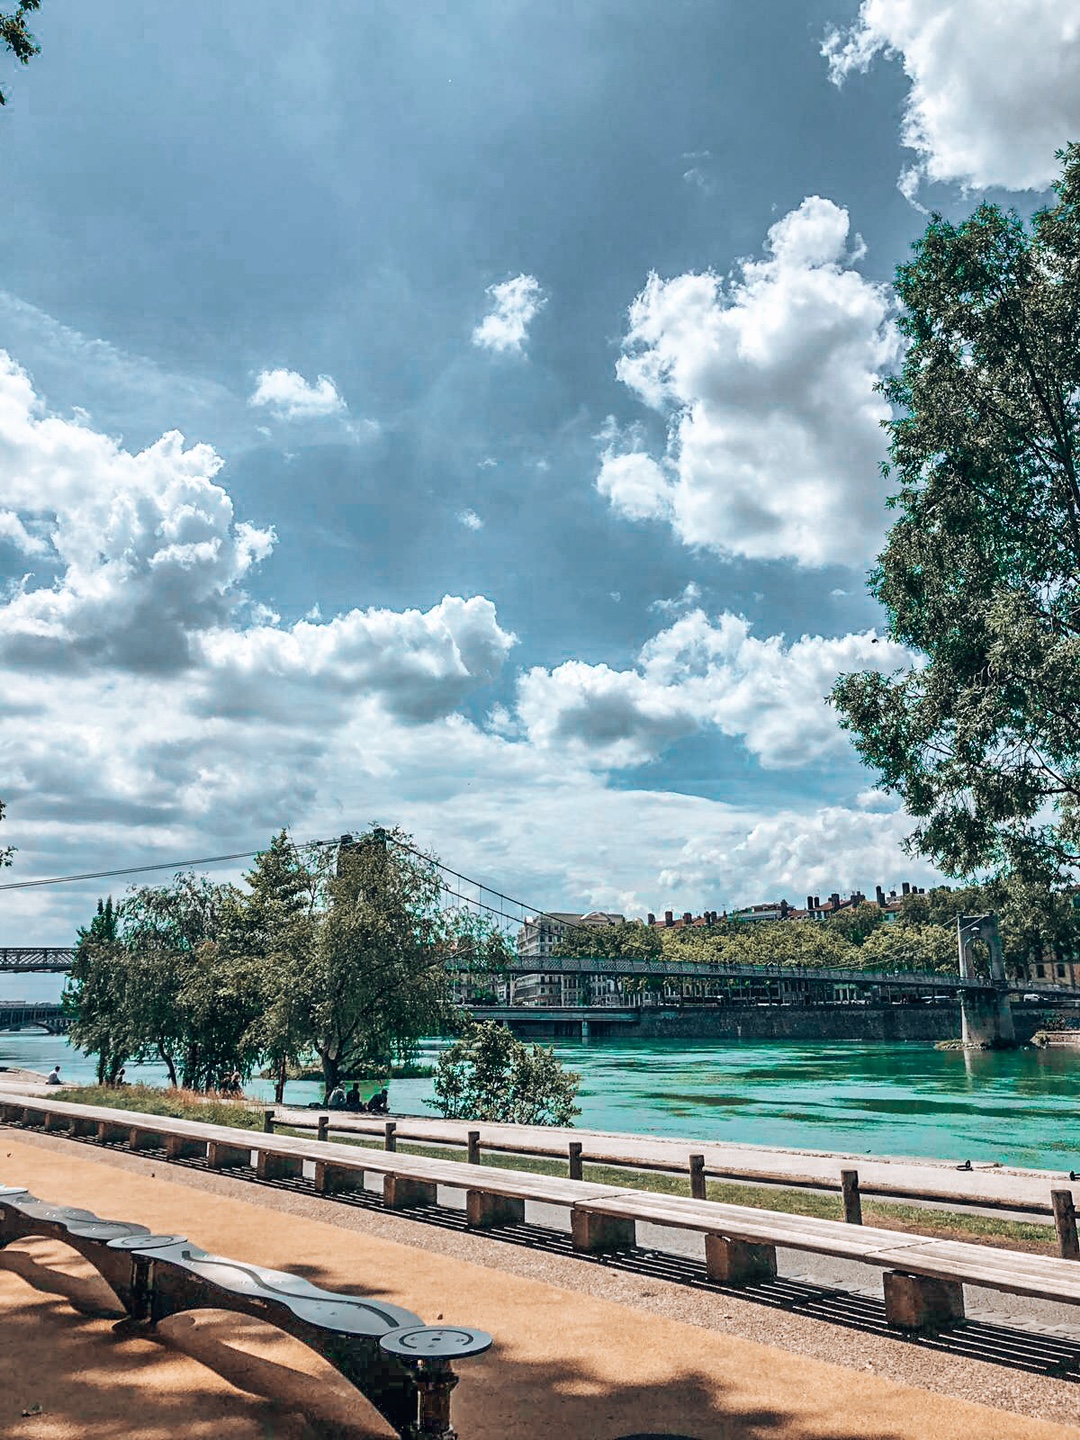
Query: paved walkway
{"type": "Point", "coordinates": [984, 1185]}
{"type": "Point", "coordinates": [566, 1365]}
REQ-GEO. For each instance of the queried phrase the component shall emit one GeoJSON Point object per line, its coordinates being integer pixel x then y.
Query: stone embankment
{"type": "Point", "coordinates": [871, 1023]}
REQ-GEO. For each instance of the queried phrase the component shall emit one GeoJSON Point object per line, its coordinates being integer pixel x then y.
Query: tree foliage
{"type": "Point", "coordinates": [16, 37]}
{"type": "Point", "coordinates": [334, 953]}
{"type": "Point", "coordinates": [488, 1074]}
{"type": "Point", "coordinates": [980, 575]}
{"type": "Point", "coordinates": [626, 940]}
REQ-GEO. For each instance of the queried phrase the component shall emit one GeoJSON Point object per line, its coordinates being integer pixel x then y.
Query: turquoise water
{"type": "Point", "coordinates": [1018, 1108]}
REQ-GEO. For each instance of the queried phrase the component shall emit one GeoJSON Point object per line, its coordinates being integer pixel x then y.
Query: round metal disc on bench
{"type": "Point", "coordinates": [146, 1242]}
{"type": "Point", "coordinates": [435, 1342]}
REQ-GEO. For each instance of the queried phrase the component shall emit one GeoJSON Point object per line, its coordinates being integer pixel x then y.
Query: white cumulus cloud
{"type": "Point", "coordinates": [292, 397]}
{"type": "Point", "coordinates": [767, 380]}
{"type": "Point", "coordinates": [515, 305]}
{"type": "Point", "coordinates": [699, 673]}
{"type": "Point", "coordinates": [994, 84]}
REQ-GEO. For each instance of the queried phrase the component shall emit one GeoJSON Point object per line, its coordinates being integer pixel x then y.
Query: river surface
{"type": "Point", "coordinates": [1018, 1108]}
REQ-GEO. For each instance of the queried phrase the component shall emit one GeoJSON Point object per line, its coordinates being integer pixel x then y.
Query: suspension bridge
{"type": "Point", "coordinates": [616, 990]}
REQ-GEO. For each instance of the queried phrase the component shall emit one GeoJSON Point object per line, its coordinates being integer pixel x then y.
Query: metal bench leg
{"type": "Point", "coordinates": [221, 1156]}
{"type": "Point", "coordinates": [401, 1192]}
{"type": "Point", "coordinates": [915, 1302]}
{"type": "Point", "coordinates": [484, 1211]}
{"type": "Point", "coordinates": [278, 1167]}
{"type": "Point", "coordinates": [593, 1234]}
{"type": "Point", "coordinates": [184, 1147]}
{"type": "Point", "coordinates": [738, 1262]}
{"type": "Point", "coordinates": [337, 1179]}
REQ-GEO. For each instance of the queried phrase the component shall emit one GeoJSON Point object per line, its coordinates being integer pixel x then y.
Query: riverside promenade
{"type": "Point", "coordinates": [985, 1185]}
{"type": "Point", "coordinates": [608, 1357]}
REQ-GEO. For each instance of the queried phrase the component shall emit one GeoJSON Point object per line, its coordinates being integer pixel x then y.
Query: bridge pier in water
{"type": "Point", "coordinates": [986, 1015]}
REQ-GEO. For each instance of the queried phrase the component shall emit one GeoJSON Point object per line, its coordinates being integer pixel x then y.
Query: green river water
{"type": "Point", "coordinates": [1018, 1107]}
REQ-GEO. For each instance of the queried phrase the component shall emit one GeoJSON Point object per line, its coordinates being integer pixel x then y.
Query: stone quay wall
{"type": "Point", "coordinates": [830, 1022]}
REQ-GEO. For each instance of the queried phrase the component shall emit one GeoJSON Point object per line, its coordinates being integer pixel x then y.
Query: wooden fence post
{"type": "Point", "coordinates": [268, 1122]}
{"type": "Point", "coordinates": [697, 1177]}
{"type": "Point", "coordinates": [390, 1142]}
{"type": "Point", "coordinates": [324, 1126]}
{"type": "Point", "coordinates": [1065, 1224]}
{"type": "Point", "coordinates": [849, 1184]}
{"type": "Point", "coordinates": [474, 1147]}
{"type": "Point", "coordinates": [575, 1159]}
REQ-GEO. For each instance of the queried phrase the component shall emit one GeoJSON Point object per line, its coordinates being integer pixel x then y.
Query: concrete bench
{"type": "Point", "coordinates": [923, 1277]}
{"type": "Point", "coordinates": [402, 1366]}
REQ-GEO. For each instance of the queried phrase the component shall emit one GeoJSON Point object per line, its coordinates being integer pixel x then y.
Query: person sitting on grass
{"type": "Point", "coordinates": [377, 1105]}
{"type": "Point", "coordinates": [352, 1097]}
{"type": "Point", "coordinates": [336, 1098]}
{"type": "Point", "coordinates": [53, 1077]}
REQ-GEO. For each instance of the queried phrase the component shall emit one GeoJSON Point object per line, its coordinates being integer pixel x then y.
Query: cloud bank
{"type": "Point", "coordinates": [994, 88]}
{"type": "Point", "coordinates": [152, 710]}
{"type": "Point", "coordinates": [695, 675]}
{"type": "Point", "coordinates": [767, 382]}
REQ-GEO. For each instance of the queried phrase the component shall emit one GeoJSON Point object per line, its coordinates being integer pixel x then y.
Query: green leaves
{"type": "Point", "coordinates": [15, 36]}
{"type": "Point", "coordinates": [981, 571]}
{"type": "Point", "coordinates": [488, 1074]}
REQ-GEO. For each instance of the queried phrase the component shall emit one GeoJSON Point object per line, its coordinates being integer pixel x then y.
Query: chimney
{"type": "Point", "coordinates": [817, 902]}
{"type": "Point", "coordinates": [651, 919]}
{"type": "Point", "coordinates": [810, 902]}
{"type": "Point", "coordinates": [905, 888]}
{"type": "Point", "coordinates": [879, 896]}
{"type": "Point", "coordinates": [669, 918]}
{"type": "Point", "coordinates": [687, 916]}
{"type": "Point", "coordinates": [784, 908]}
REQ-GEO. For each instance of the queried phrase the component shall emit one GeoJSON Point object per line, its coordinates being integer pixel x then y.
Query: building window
{"type": "Point", "coordinates": [1040, 971]}
{"type": "Point", "coordinates": [1061, 971]}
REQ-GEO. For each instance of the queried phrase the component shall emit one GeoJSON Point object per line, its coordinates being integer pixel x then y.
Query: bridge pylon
{"type": "Point", "coordinates": [986, 1015]}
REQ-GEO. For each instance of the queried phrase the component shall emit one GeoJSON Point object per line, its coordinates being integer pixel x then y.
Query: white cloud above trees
{"type": "Point", "coordinates": [695, 675]}
{"type": "Point", "coordinates": [515, 304]}
{"type": "Point", "coordinates": [994, 88]}
{"type": "Point", "coordinates": [291, 397]}
{"type": "Point", "coordinates": [766, 378]}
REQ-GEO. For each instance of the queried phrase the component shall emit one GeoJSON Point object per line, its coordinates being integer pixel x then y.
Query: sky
{"type": "Point", "coordinates": [464, 418]}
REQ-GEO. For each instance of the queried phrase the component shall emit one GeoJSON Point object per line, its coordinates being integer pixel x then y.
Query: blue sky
{"type": "Point", "coordinates": [523, 358]}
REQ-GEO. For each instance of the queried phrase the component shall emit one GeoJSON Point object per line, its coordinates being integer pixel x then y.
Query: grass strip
{"type": "Point", "coordinates": [913, 1219]}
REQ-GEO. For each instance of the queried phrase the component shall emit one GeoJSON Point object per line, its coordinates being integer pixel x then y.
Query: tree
{"type": "Point", "coordinates": [488, 1074]}
{"type": "Point", "coordinates": [627, 940]}
{"type": "Point", "coordinates": [857, 923]}
{"type": "Point", "coordinates": [376, 981]}
{"type": "Point", "coordinates": [97, 994]}
{"type": "Point", "coordinates": [980, 575]}
{"type": "Point", "coordinates": [14, 35]}
{"type": "Point", "coordinates": [273, 928]}
{"type": "Point", "coordinates": [910, 947]}
{"type": "Point", "coordinates": [152, 980]}
{"type": "Point", "coordinates": [8, 852]}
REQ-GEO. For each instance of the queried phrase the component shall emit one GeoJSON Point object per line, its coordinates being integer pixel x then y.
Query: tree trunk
{"type": "Point", "coordinates": [331, 1069]}
{"type": "Point", "coordinates": [282, 1076]}
{"type": "Point", "coordinates": [170, 1066]}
